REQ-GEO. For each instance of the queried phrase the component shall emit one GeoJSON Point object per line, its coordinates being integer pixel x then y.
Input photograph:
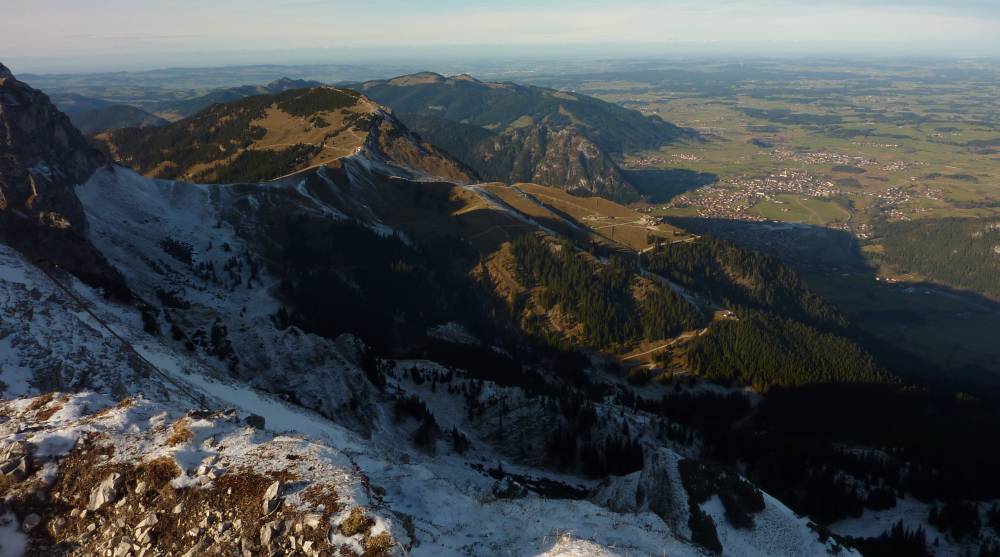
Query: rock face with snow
{"type": "Point", "coordinates": [127, 486]}
{"type": "Point", "coordinates": [42, 158]}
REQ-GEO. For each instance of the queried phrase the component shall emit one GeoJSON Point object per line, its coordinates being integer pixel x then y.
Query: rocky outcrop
{"type": "Point", "coordinates": [557, 156]}
{"type": "Point", "coordinates": [656, 488]}
{"type": "Point", "coordinates": [108, 491]}
{"type": "Point", "coordinates": [124, 491]}
{"type": "Point", "coordinates": [389, 139]}
{"type": "Point", "coordinates": [566, 159]}
{"type": "Point", "coordinates": [15, 461]}
{"type": "Point", "coordinates": [42, 157]}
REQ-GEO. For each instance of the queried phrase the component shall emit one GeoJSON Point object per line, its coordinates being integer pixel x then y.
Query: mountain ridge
{"type": "Point", "coordinates": [518, 119]}
{"type": "Point", "coordinates": [268, 136]}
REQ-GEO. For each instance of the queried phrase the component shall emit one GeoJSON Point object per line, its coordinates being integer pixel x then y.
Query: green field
{"type": "Point", "coordinates": [917, 136]}
{"type": "Point", "coordinates": [805, 210]}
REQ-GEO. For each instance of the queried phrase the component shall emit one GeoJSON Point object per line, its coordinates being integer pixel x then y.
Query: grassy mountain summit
{"type": "Point", "coordinates": [509, 132]}
{"type": "Point", "coordinates": [264, 137]}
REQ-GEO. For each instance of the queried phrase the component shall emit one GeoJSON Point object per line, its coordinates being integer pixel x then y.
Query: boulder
{"type": "Point", "coordinates": [271, 499]}
{"type": "Point", "coordinates": [108, 491]}
{"type": "Point", "coordinates": [270, 532]}
{"type": "Point", "coordinates": [255, 421]}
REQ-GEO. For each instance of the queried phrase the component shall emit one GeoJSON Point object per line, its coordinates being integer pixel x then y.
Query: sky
{"type": "Point", "coordinates": [88, 35]}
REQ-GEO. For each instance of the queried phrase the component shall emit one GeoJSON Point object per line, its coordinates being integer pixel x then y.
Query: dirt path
{"type": "Point", "coordinates": [682, 337]}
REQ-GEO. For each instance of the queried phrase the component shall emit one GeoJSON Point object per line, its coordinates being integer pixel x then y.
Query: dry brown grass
{"type": "Point", "coordinates": [40, 402]}
{"type": "Point", "coordinates": [356, 523]}
{"type": "Point", "coordinates": [378, 545]}
{"type": "Point", "coordinates": [418, 79]}
{"type": "Point", "coordinates": [433, 209]}
{"type": "Point", "coordinates": [123, 404]}
{"type": "Point", "coordinates": [204, 167]}
{"type": "Point", "coordinates": [338, 137]}
{"type": "Point", "coordinates": [158, 472]}
{"type": "Point", "coordinates": [180, 433]}
{"type": "Point", "coordinates": [324, 496]}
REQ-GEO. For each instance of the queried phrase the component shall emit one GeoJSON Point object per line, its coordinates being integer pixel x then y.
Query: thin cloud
{"type": "Point", "coordinates": [136, 37]}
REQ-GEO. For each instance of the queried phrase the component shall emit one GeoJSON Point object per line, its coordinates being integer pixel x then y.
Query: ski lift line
{"type": "Point", "coordinates": [199, 400]}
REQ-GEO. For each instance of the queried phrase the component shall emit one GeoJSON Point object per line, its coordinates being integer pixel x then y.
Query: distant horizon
{"type": "Point", "coordinates": [493, 54]}
{"type": "Point", "coordinates": [70, 36]}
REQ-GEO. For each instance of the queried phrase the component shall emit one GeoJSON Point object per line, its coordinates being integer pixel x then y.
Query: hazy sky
{"type": "Point", "coordinates": [39, 35]}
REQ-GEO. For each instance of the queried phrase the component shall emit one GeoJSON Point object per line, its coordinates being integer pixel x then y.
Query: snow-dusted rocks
{"type": "Point", "coordinates": [48, 343]}
{"type": "Point", "coordinates": [118, 490]}
{"type": "Point", "coordinates": [108, 491]}
{"type": "Point", "coordinates": [271, 500]}
{"type": "Point", "coordinates": [15, 460]}
{"type": "Point", "coordinates": [30, 522]}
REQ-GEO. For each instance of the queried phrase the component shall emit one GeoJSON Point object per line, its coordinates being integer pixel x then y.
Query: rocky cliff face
{"type": "Point", "coordinates": [509, 132]}
{"type": "Point", "coordinates": [42, 157]}
{"type": "Point", "coordinates": [568, 160]}
{"type": "Point", "coordinates": [390, 140]}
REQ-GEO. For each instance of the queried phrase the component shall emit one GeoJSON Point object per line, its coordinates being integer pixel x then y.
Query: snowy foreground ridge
{"type": "Point", "coordinates": [138, 446]}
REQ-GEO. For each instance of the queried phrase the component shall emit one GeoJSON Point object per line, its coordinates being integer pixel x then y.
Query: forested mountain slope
{"type": "Point", "coordinates": [963, 253]}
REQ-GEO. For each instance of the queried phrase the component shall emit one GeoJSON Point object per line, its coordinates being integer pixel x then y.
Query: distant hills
{"type": "Point", "coordinates": [114, 117]}
{"type": "Point", "coordinates": [92, 115]}
{"type": "Point", "coordinates": [515, 133]}
{"type": "Point", "coordinates": [176, 110]}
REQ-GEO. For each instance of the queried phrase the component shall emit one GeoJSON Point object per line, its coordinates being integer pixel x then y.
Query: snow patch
{"type": "Point", "coordinates": [13, 542]}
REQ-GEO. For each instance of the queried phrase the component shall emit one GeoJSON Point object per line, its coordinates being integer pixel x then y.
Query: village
{"type": "Point", "coordinates": [734, 199]}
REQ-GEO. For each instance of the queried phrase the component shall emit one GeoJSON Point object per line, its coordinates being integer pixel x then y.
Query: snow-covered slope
{"type": "Point", "coordinates": [196, 256]}
{"type": "Point", "coordinates": [48, 342]}
{"type": "Point", "coordinates": [173, 244]}
{"type": "Point", "coordinates": [451, 506]}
